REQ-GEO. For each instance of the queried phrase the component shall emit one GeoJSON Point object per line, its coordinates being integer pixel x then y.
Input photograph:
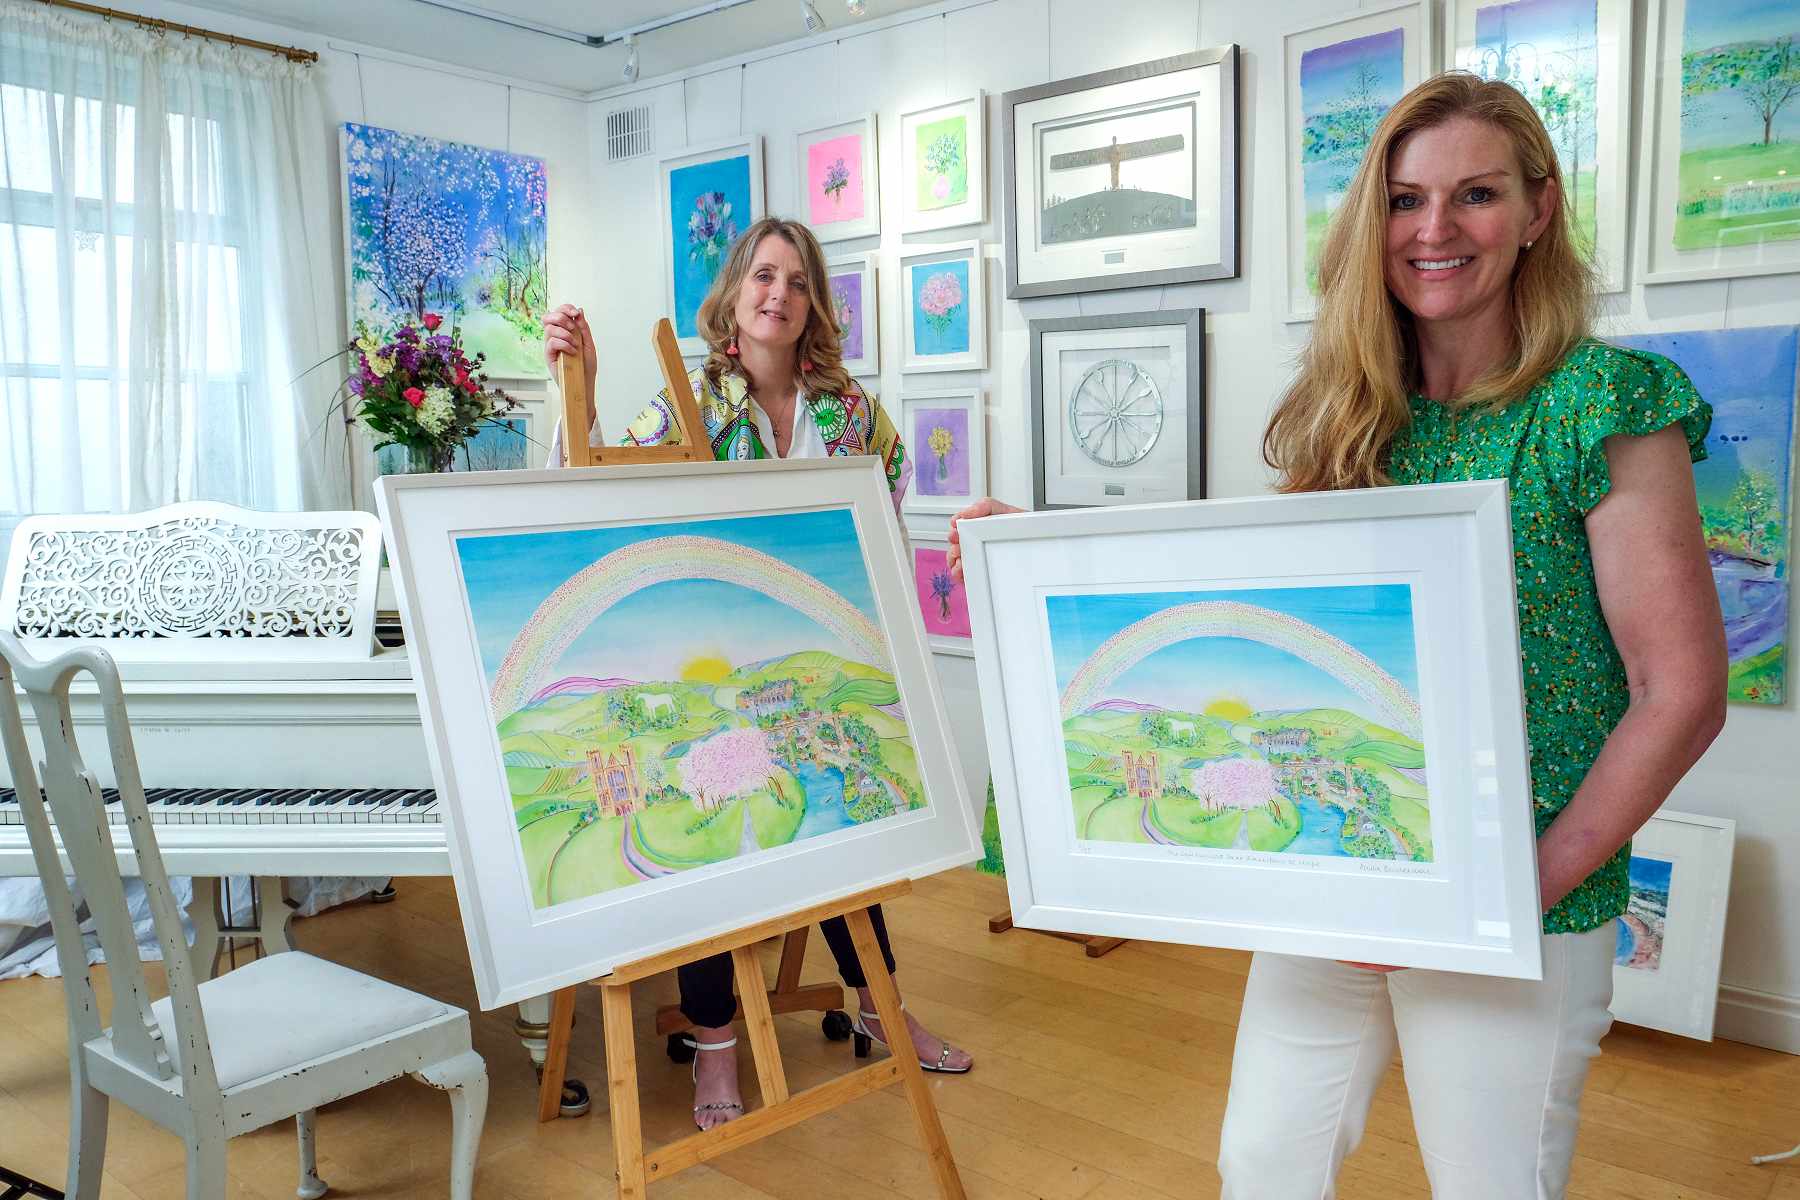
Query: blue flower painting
{"type": "Point", "coordinates": [452, 229]}
{"type": "Point", "coordinates": [709, 206]}
{"type": "Point", "coordinates": [939, 296]}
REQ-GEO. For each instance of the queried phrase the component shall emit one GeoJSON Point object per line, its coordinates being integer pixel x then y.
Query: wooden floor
{"type": "Point", "coordinates": [1095, 1080]}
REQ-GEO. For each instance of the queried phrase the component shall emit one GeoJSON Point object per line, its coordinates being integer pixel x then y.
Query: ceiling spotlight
{"type": "Point", "coordinates": [630, 73]}
{"type": "Point", "coordinates": [855, 6]}
{"type": "Point", "coordinates": [809, 14]}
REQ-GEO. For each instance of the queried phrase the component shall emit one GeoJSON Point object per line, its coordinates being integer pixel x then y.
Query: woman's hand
{"type": "Point", "coordinates": [988, 507]}
{"type": "Point", "coordinates": [566, 332]}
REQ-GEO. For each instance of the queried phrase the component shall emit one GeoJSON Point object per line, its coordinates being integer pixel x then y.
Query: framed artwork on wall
{"type": "Point", "coordinates": [1118, 409]}
{"type": "Point", "coordinates": [839, 179]}
{"type": "Point", "coordinates": [1124, 178]}
{"type": "Point", "coordinates": [946, 433]}
{"type": "Point", "coordinates": [1285, 723]}
{"type": "Point", "coordinates": [943, 165]}
{"type": "Point", "coordinates": [1719, 179]}
{"type": "Point", "coordinates": [1749, 376]}
{"type": "Point", "coordinates": [1572, 60]}
{"type": "Point", "coordinates": [1342, 76]}
{"type": "Point", "coordinates": [625, 768]}
{"type": "Point", "coordinates": [1666, 964]}
{"type": "Point", "coordinates": [943, 316]}
{"type": "Point", "coordinates": [943, 602]}
{"type": "Point", "coordinates": [854, 302]}
{"type": "Point", "coordinates": [709, 195]}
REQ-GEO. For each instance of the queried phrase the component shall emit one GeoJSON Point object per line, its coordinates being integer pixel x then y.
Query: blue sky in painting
{"type": "Point", "coordinates": [1376, 619]}
{"type": "Point", "coordinates": [693, 278]}
{"type": "Point", "coordinates": [653, 632]}
{"type": "Point", "coordinates": [1547, 25]}
{"type": "Point", "coordinates": [1328, 72]}
{"type": "Point", "coordinates": [1651, 874]}
{"type": "Point", "coordinates": [1712, 23]}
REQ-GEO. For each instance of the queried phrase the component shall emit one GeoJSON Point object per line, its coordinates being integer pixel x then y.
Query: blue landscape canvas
{"type": "Point", "coordinates": [436, 226]}
{"type": "Point", "coordinates": [1638, 935]}
{"type": "Point", "coordinates": [1749, 378]}
{"type": "Point", "coordinates": [709, 206]}
{"type": "Point", "coordinates": [939, 295]}
{"type": "Point", "coordinates": [1345, 90]}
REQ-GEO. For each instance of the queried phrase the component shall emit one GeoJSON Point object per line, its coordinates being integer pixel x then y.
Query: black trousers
{"type": "Point", "coordinates": [706, 994]}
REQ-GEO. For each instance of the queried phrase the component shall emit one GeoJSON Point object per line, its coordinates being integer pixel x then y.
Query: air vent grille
{"type": "Point", "coordinates": [628, 133]}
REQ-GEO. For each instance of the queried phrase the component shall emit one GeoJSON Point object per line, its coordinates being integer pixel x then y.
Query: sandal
{"type": "Point", "coordinates": [864, 1035]}
{"type": "Point", "coordinates": [735, 1107]}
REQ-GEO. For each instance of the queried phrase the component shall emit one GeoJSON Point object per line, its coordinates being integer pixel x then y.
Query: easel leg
{"type": "Point", "coordinates": [556, 1057]}
{"type": "Point", "coordinates": [622, 1090]}
{"type": "Point", "coordinates": [793, 958]}
{"type": "Point", "coordinates": [760, 1023]}
{"type": "Point", "coordinates": [912, 1077]}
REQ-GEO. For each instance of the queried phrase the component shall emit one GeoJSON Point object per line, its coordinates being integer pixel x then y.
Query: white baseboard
{"type": "Point", "coordinates": [1759, 1018]}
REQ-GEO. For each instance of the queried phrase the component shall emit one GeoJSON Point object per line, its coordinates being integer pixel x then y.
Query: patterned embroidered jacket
{"type": "Point", "coordinates": [853, 423]}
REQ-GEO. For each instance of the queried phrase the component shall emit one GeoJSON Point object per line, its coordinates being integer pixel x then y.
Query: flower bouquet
{"type": "Point", "coordinates": [419, 390]}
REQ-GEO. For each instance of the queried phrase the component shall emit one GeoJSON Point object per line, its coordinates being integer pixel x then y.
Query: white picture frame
{"type": "Point", "coordinates": [1660, 157]}
{"type": "Point", "coordinates": [1426, 573]}
{"type": "Point", "coordinates": [866, 314]}
{"type": "Point", "coordinates": [950, 481]}
{"type": "Point", "coordinates": [685, 279]}
{"type": "Point", "coordinates": [1549, 53]}
{"type": "Point", "coordinates": [922, 343]}
{"type": "Point", "coordinates": [945, 626]}
{"type": "Point", "coordinates": [964, 187]}
{"type": "Point", "coordinates": [1666, 964]}
{"type": "Point", "coordinates": [529, 934]}
{"type": "Point", "coordinates": [863, 180]}
{"type": "Point", "coordinates": [1369, 74]}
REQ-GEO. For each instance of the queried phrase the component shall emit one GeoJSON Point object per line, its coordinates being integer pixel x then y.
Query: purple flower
{"type": "Point", "coordinates": [408, 334]}
{"type": "Point", "coordinates": [356, 384]}
{"type": "Point", "coordinates": [408, 357]}
{"type": "Point", "coordinates": [439, 341]}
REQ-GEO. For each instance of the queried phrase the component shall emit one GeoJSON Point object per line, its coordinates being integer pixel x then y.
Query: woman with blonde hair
{"type": "Point", "coordinates": [773, 385]}
{"type": "Point", "coordinates": [1452, 343]}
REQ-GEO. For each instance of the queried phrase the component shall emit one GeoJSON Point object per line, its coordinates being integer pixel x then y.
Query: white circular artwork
{"type": "Point", "coordinates": [1116, 413]}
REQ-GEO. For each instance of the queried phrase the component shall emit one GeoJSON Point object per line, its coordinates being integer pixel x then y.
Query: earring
{"type": "Point", "coordinates": [731, 347]}
{"type": "Point", "coordinates": [806, 366]}
{"type": "Point", "coordinates": [1527, 245]}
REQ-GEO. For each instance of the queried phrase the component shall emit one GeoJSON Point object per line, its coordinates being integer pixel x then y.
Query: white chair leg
{"type": "Point", "coordinates": [206, 1165]}
{"type": "Point", "coordinates": [465, 1078]}
{"type": "Point", "coordinates": [311, 1186]}
{"type": "Point", "coordinates": [87, 1138]}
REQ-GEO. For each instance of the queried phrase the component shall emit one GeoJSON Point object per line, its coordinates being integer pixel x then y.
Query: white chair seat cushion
{"type": "Point", "coordinates": [286, 1009]}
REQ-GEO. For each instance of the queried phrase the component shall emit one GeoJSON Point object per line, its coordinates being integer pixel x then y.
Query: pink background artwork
{"type": "Point", "coordinates": [821, 159]}
{"type": "Point", "coordinates": [928, 563]}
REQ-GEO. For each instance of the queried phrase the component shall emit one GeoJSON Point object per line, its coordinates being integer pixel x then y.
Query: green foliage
{"type": "Point", "coordinates": [1765, 74]}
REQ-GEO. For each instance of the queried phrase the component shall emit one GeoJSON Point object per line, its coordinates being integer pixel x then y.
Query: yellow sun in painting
{"type": "Point", "coordinates": [705, 668]}
{"type": "Point", "coordinates": [1228, 710]}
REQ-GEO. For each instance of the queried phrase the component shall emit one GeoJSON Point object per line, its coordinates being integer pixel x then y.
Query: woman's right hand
{"type": "Point", "coordinates": [987, 507]}
{"type": "Point", "coordinates": [566, 332]}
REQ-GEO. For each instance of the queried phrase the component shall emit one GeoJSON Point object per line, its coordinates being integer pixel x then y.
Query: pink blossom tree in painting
{"type": "Point", "coordinates": [1241, 783]}
{"type": "Point", "coordinates": [727, 765]}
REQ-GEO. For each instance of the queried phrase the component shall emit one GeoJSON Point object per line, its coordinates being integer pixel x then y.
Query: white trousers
{"type": "Point", "coordinates": [1494, 1069]}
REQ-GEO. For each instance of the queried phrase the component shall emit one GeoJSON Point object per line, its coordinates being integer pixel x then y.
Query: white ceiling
{"type": "Point", "coordinates": [430, 30]}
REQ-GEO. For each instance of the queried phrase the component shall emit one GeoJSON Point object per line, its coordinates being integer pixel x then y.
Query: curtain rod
{"type": "Point", "coordinates": [291, 53]}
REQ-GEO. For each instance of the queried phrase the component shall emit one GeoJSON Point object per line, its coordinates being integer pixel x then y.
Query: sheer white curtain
{"type": "Point", "coordinates": [167, 273]}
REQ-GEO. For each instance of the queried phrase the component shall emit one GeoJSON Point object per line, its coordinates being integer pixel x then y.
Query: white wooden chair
{"type": "Point", "coordinates": [268, 1041]}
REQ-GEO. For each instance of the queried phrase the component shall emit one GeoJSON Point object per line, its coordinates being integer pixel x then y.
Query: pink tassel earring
{"type": "Point", "coordinates": [806, 366]}
{"type": "Point", "coordinates": [732, 349]}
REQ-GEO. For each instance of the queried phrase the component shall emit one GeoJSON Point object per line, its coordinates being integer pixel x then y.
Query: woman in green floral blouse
{"type": "Point", "coordinates": [1452, 342]}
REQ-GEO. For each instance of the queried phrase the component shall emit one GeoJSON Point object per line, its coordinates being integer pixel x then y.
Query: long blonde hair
{"type": "Point", "coordinates": [819, 343]}
{"type": "Point", "coordinates": [1333, 425]}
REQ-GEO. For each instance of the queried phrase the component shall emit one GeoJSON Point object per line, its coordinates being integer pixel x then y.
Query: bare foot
{"type": "Point", "coordinates": [932, 1050]}
{"type": "Point", "coordinates": [716, 1096]}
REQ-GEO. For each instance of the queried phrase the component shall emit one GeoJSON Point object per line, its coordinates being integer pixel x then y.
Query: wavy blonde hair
{"type": "Point", "coordinates": [819, 342]}
{"type": "Point", "coordinates": [1333, 425]}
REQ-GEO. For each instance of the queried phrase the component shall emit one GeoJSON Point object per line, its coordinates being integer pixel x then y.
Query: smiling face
{"type": "Point", "coordinates": [775, 299]}
{"type": "Point", "coordinates": [1459, 211]}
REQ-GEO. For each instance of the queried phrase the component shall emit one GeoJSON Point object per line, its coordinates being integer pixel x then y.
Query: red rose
{"type": "Point", "coordinates": [432, 321]}
{"type": "Point", "coordinates": [462, 375]}
{"type": "Point", "coordinates": [414, 396]}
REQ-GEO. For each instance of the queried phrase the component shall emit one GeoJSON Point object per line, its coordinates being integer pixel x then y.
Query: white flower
{"type": "Point", "coordinates": [437, 411]}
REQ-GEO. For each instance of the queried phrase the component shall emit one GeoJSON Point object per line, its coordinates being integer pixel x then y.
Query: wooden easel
{"type": "Point", "coordinates": [692, 444]}
{"type": "Point", "coordinates": [1096, 945]}
{"type": "Point", "coordinates": [635, 1168]}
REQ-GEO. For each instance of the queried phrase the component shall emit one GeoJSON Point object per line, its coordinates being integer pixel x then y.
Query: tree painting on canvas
{"type": "Point", "coordinates": [1638, 943]}
{"type": "Point", "coordinates": [1740, 124]}
{"type": "Point", "coordinates": [847, 310]}
{"type": "Point", "coordinates": [668, 697]}
{"type": "Point", "coordinates": [1748, 376]}
{"type": "Point", "coordinates": [709, 205]}
{"type": "Point", "coordinates": [442, 227]}
{"type": "Point", "coordinates": [941, 163]}
{"type": "Point", "coordinates": [939, 295]}
{"type": "Point", "coordinates": [1550, 51]}
{"type": "Point", "coordinates": [834, 180]}
{"type": "Point", "coordinates": [942, 601]}
{"type": "Point", "coordinates": [1345, 90]}
{"type": "Point", "coordinates": [1276, 721]}
{"type": "Point", "coordinates": [939, 438]}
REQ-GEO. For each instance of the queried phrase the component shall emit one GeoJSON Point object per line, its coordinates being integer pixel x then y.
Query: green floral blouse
{"type": "Point", "coordinates": [1548, 447]}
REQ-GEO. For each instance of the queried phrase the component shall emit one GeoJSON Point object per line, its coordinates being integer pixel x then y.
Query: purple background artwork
{"type": "Point", "coordinates": [942, 600]}
{"type": "Point", "coordinates": [847, 304]}
{"type": "Point", "coordinates": [940, 469]}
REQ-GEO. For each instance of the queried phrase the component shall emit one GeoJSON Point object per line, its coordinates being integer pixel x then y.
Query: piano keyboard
{"type": "Point", "coordinates": [266, 806]}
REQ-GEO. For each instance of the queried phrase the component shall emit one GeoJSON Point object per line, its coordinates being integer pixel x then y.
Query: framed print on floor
{"type": "Point", "coordinates": [946, 432]}
{"type": "Point", "coordinates": [943, 600]}
{"type": "Point", "coordinates": [943, 316]}
{"type": "Point", "coordinates": [1285, 723]}
{"type": "Point", "coordinates": [1666, 967]}
{"type": "Point", "coordinates": [943, 165]}
{"type": "Point", "coordinates": [712, 707]}
{"type": "Point", "coordinates": [840, 180]}
{"type": "Point", "coordinates": [854, 302]}
{"type": "Point", "coordinates": [1118, 409]}
{"type": "Point", "coordinates": [1719, 179]}
{"type": "Point", "coordinates": [1124, 178]}
{"type": "Point", "coordinates": [709, 195]}
{"type": "Point", "coordinates": [1342, 76]}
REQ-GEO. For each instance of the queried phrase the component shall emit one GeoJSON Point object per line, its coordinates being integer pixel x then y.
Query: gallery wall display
{"type": "Point", "coordinates": [1666, 958]}
{"type": "Point", "coordinates": [1719, 160]}
{"type": "Point", "coordinates": [1572, 60]}
{"type": "Point", "coordinates": [1285, 723]}
{"type": "Point", "coordinates": [709, 195]}
{"type": "Point", "coordinates": [443, 227]}
{"type": "Point", "coordinates": [946, 432]}
{"type": "Point", "coordinates": [943, 600]}
{"type": "Point", "coordinates": [839, 179]}
{"type": "Point", "coordinates": [1124, 178]}
{"type": "Point", "coordinates": [943, 165]}
{"type": "Point", "coordinates": [1749, 377]}
{"type": "Point", "coordinates": [855, 304]}
{"type": "Point", "coordinates": [1342, 76]}
{"type": "Point", "coordinates": [651, 730]}
{"type": "Point", "coordinates": [943, 308]}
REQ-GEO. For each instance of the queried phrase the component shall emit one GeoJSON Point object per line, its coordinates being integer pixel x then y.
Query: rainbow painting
{"type": "Point", "coordinates": [1265, 721]}
{"type": "Point", "coordinates": [676, 696]}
